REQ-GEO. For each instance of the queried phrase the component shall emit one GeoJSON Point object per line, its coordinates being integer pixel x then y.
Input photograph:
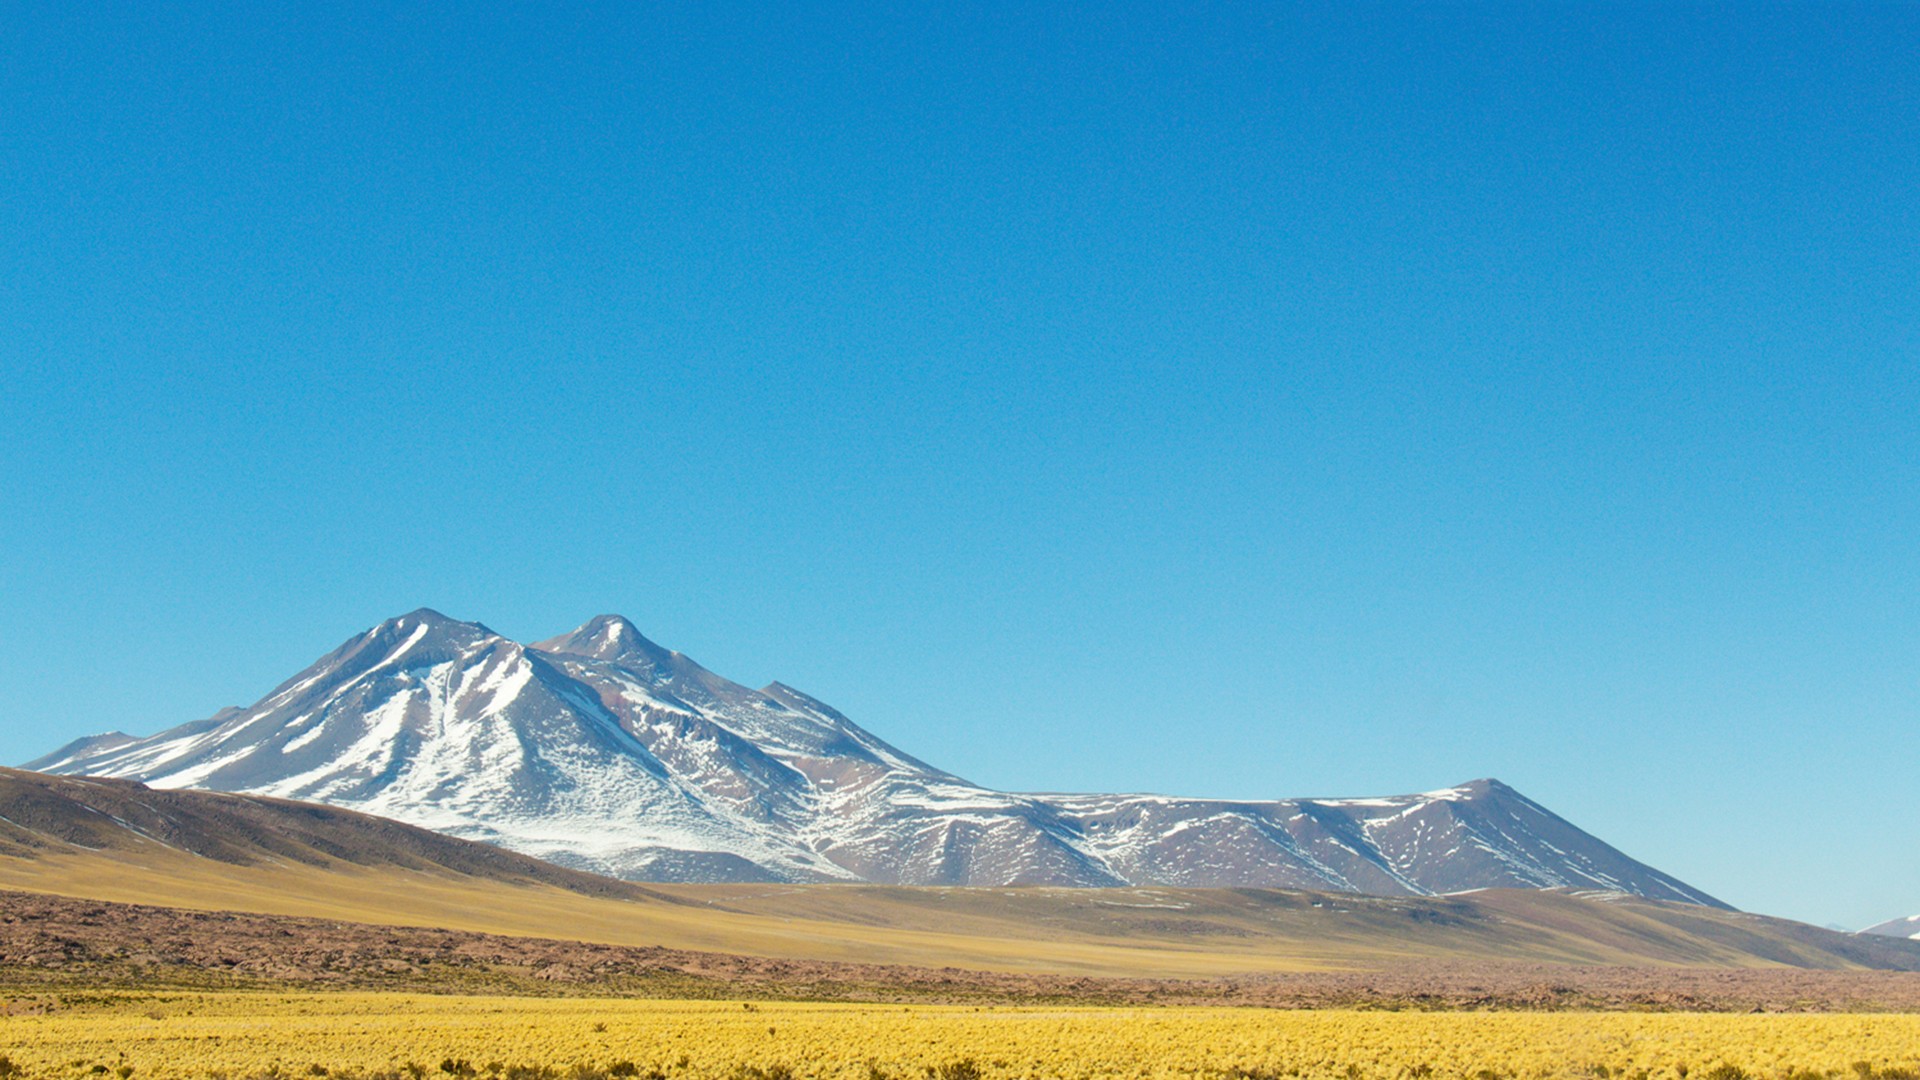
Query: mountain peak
{"type": "Point", "coordinates": [428, 617]}
{"type": "Point", "coordinates": [613, 629]}
{"type": "Point", "coordinates": [1488, 787]}
{"type": "Point", "coordinates": [422, 628]}
{"type": "Point", "coordinates": [604, 637]}
{"type": "Point", "coordinates": [1485, 785]}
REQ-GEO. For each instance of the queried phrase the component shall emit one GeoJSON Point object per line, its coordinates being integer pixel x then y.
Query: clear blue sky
{"type": "Point", "coordinates": [1200, 399]}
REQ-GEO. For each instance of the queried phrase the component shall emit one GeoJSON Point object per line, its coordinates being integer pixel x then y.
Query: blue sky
{"type": "Point", "coordinates": [1203, 399]}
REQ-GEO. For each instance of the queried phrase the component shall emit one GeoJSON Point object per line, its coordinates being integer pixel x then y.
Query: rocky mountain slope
{"type": "Point", "coordinates": [602, 751]}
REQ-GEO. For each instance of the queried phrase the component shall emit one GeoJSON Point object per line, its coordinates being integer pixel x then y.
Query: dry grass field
{"type": "Point", "coordinates": [192, 1036]}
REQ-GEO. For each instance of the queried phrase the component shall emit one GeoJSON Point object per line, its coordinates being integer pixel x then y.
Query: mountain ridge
{"type": "Point", "coordinates": [604, 751]}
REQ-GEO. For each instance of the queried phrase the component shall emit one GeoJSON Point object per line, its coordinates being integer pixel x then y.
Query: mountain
{"type": "Point", "coordinates": [115, 841]}
{"type": "Point", "coordinates": [1901, 928]}
{"type": "Point", "coordinates": [602, 751]}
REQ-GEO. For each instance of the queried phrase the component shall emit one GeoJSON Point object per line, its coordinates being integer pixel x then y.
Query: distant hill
{"type": "Point", "coordinates": [603, 751]}
{"type": "Point", "coordinates": [44, 816]}
{"type": "Point", "coordinates": [118, 841]}
{"type": "Point", "coordinates": [1901, 928]}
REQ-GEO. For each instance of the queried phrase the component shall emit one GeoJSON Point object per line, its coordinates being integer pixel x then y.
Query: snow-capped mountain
{"type": "Point", "coordinates": [601, 750]}
{"type": "Point", "coordinates": [1902, 928]}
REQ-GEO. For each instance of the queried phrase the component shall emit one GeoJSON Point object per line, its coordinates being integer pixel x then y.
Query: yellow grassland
{"type": "Point", "coordinates": [238, 1035]}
